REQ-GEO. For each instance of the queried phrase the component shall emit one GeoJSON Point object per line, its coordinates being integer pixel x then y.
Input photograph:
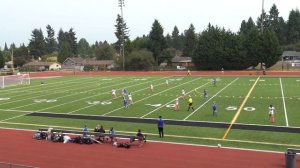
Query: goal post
{"type": "Point", "coordinates": [12, 80]}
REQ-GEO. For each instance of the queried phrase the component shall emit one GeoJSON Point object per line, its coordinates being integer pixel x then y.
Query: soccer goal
{"type": "Point", "coordinates": [12, 80]}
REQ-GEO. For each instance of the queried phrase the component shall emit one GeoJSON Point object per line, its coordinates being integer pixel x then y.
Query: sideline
{"type": "Point", "coordinates": [240, 109]}
{"type": "Point", "coordinates": [283, 101]}
{"type": "Point", "coordinates": [176, 143]}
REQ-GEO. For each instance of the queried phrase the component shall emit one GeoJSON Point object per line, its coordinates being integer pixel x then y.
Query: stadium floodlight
{"type": "Point", "coordinates": [121, 5]}
{"type": "Point", "coordinates": [12, 80]}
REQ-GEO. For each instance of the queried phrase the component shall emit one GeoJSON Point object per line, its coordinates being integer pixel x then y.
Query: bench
{"type": "Point", "coordinates": [96, 135]}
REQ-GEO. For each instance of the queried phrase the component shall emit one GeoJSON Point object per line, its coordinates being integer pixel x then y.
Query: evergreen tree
{"type": "Point", "coordinates": [2, 61]}
{"type": "Point", "coordinates": [157, 41]}
{"type": "Point", "coordinates": [189, 41]}
{"type": "Point", "coordinates": [5, 47]}
{"type": "Point", "coordinates": [262, 22]}
{"type": "Point", "coordinates": [105, 51]}
{"type": "Point", "coordinates": [168, 40]}
{"type": "Point", "coordinates": [61, 38]}
{"type": "Point", "coordinates": [273, 19]}
{"type": "Point", "coordinates": [176, 41]}
{"type": "Point", "coordinates": [83, 48]}
{"type": "Point", "coordinates": [37, 43]}
{"type": "Point", "coordinates": [72, 39]}
{"type": "Point", "coordinates": [293, 27]}
{"type": "Point", "coordinates": [50, 39]}
{"type": "Point", "coordinates": [64, 52]}
{"type": "Point", "coordinates": [121, 32]}
{"type": "Point", "coordinates": [282, 31]}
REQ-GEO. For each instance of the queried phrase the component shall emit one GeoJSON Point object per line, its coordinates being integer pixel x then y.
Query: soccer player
{"type": "Point", "coordinates": [190, 101]}
{"type": "Point", "coordinates": [130, 99]}
{"type": "Point", "coordinates": [114, 94]}
{"type": "Point", "coordinates": [151, 88]}
{"type": "Point", "coordinates": [176, 108]}
{"type": "Point", "coordinates": [167, 83]}
{"type": "Point", "coordinates": [271, 114]}
{"type": "Point", "coordinates": [205, 94]}
{"type": "Point", "coordinates": [125, 102]}
{"type": "Point", "coordinates": [215, 107]}
{"type": "Point", "coordinates": [124, 92]}
{"type": "Point", "coordinates": [189, 73]}
{"type": "Point", "coordinates": [182, 93]}
{"type": "Point", "coordinates": [215, 82]}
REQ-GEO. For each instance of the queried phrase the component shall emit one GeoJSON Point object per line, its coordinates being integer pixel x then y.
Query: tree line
{"type": "Point", "coordinates": [212, 49]}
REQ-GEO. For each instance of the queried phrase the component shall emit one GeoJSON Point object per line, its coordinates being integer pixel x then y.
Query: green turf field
{"type": "Point", "coordinates": [243, 100]}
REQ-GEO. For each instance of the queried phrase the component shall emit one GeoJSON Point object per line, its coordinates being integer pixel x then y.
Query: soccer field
{"type": "Point", "coordinates": [242, 119]}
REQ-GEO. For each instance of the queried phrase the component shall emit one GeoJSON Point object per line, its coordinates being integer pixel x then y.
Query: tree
{"type": "Point", "coordinates": [64, 52]}
{"type": "Point", "coordinates": [37, 43]}
{"type": "Point", "coordinates": [140, 60]}
{"type": "Point", "coordinates": [157, 41]}
{"type": "Point", "coordinates": [168, 40]}
{"type": "Point", "coordinates": [61, 38]}
{"type": "Point", "coordinates": [273, 19]}
{"type": "Point", "coordinates": [83, 48]}
{"type": "Point", "coordinates": [271, 50]}
{"type": "Point", "coordinates": [121, 32]}
{"type": "Point", "coordinates": [262, 21]}
{"type": "Point", "coordinates": [189, 41]}
{"type": "Point", "coordinates": [50, 40]}
{"type": "Point", "coordinates": [21, 56]}
{"type": "Point", "coordinates": [282, 31]}
{"type": "Point", "coordinates": [105, 51]}
{"type": "Point", "coordinates": [141, 42]}
{"type": "Point", "coordinates": [176, 40]}
{"type": "Point", "coordinates": [293, 27]}
{"type": "Point", "coordinates": [2, 61]}
{"type": "Point", "coordinates": [168, 54]}
{"type": "Point", "coordinates": [72, 39]}
{"type": "Point", "coordinates": [5, 47]}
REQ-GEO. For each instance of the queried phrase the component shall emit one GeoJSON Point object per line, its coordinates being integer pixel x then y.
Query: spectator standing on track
{"type": "Point", "coordinates": [271, 114]}
{"type": "Point", "coordinates": [85, 130]}
{"type": "Point", "coordinates": [160, 126]}
{"type": "Point", "coordinates": [215, 108]}
{"type": "Point", "coordinates": [190, 101]}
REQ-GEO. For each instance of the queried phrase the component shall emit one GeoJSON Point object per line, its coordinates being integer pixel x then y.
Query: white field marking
{"type": "Point", "coordinates": [4, 98]}
{"type": "Point", "coordinates": [111, 99]}
{"type": "Point", "coordinates": [84, 97]}
{"type": "Point", "coordinates": [210, 99]}
{"type": "Point", "coordinates": [169, 135]}
{"type": "Point", "coordinates": [153, 95]}
{"type": "Point", "coordinates": [33, 87]}
{"type": "Point", "coordinates": [171, 101]}
{"type": "Point", "coordinates": [108, 100]}
{"type": "Point", "coordinates": [46, 94]}
{"type": "Point", "coordinates": [283, 101]}
{"type": "Point", "coordinates": [66, 95]}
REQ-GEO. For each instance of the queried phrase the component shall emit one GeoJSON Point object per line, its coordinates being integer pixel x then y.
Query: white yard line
{"type": "Point", "coordinates": [111, 99]}
{"type": "Point", "coordinates": [151, 96]}
{"type": "Point", "coordinates": [55, 89]}
{"type": "Point", "coordinates": [283, 101]}
{"type": "Point", "coordinates": [170, 102]}
{"type": "Point", "coordinates": [75, 94]}
{"type": "Point", "coordinates": [210, 99]}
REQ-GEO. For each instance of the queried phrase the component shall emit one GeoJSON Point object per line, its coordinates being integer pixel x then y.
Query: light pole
{"type": "Point", "coordinates": [121, 5]}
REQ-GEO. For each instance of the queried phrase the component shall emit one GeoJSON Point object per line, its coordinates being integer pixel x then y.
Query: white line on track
{"type": "Point", "coordinates": [283, 101]}
{"type": "Point", "coordinates": [210, 99]}
{"type": "Point", "coordinates": [170, 102]}
{"type": "Point", "coordinates": [152, 95]}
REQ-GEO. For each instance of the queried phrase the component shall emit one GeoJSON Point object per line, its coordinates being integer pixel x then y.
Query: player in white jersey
{"type": "Point", "coordinates": [151, 88]}
{"type": "Point", "coordinates": [271, 114]}
{"type": "Point", "coordinates": [114, 93]}
{"type": "Point", "coordinates": [167, 83]}
{"type": "Point", "coordinates": [183, 93]}
{"type": "Point", "coordinates": [130, 99]}
{"type": "Point", "coordinates": [176, 107]}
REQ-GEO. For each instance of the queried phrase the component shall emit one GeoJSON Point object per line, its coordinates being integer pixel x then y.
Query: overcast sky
{"type": "Point", "coordinates": [95, 19]}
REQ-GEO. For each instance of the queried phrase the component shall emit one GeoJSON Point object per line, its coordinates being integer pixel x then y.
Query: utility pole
{"type": "Point", "coordinates": [262, 17]}
{"type": "Point", "coordinates": [121, 5]}
{"type": "Point", "coordinates": [12, 60]}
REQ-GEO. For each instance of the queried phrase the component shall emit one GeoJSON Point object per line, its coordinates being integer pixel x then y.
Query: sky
{"type": "Point", "coordinates": [94, 20]}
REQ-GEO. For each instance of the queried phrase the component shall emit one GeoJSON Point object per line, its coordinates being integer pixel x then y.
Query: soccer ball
{"type": "Point", "coordinates": [219, 145]}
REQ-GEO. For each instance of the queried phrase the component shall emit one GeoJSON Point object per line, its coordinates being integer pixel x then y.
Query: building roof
{"type": "Point", "coordinates": [40, 63]}
{"type": "Point", "coordinates": [290, 53]}
{"type": "Point", "coordinates": [181, 59]}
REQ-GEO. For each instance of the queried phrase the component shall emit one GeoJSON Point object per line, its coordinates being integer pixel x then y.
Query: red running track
{"type": "Point", "coordinates": [19, 147]}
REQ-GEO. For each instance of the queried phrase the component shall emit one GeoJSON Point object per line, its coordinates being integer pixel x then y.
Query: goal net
{"type": "Point", "coordinates": [12, 80]}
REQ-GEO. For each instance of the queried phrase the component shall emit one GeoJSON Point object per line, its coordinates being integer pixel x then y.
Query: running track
{"type": "Point", "coordinates": [19, 147]}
